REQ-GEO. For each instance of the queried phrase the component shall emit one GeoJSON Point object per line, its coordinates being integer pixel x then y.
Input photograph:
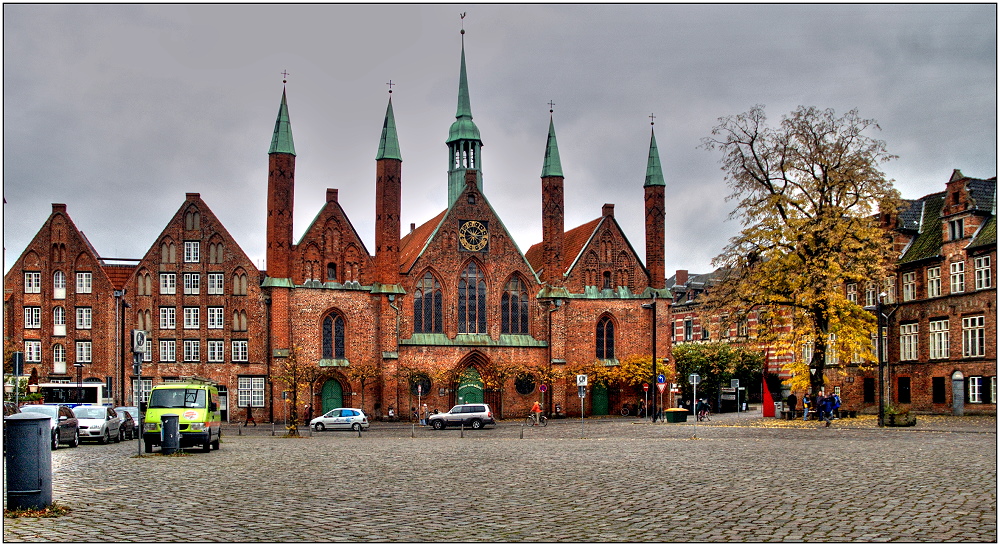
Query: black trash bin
{"type": "Point", "coordinates": [27, 444]}
{"type": "Point", "coordinates": [170, 433]}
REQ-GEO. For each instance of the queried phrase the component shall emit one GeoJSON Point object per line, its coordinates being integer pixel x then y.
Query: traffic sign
{"type": "Point", "coordinates": [582, 391]}
{"type": "Point", "coordinates": [734, 383]}
{"type": "Point", "coordinates": [542, 388]}
{"type": "Point", "coordinates": [581, 380]}
{"type": "Point", "coordinates": [661, 379]}
{"type": "Point", "coordinates": [645, 386]}
{"type": "Point", "coordinates": [661, 386]}
{"type": "Point", "coordinates": [694, 379]}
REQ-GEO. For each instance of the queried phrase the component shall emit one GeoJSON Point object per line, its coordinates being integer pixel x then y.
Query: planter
{"type": "Point", "coordinates": [900, 420]}
{"type": "Point", "coordinates": [676, 415]}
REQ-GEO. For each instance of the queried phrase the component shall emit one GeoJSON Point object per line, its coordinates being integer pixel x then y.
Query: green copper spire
{"type": "Point", "coordinates": [463, 128]}
{"type": "Point", "coordinates": [654, 174]}
{"type": "Point", "coordinates": [464, 144]}
{"type": "Point", "coordinates": [388, 145]}
{"type": "Point", "coordinates": [551, 166]}
{"type": "Point", "coordinates": [281, 142]}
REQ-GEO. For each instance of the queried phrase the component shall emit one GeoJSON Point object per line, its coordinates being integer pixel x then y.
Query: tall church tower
{"type": "Point", "coordinates": [280, 195]}
{"type": "Point", "coordinates": [464, 144]}
{"type": "Point", "coordinates": [388, 170]}
{"type": "Point", "coordinates": [655, 216]}
{"type": "Point", "coordinates": [552, 211]}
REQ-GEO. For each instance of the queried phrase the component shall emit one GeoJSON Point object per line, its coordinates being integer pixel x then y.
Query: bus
{"type": "Point", "coordinates": [74, 394]}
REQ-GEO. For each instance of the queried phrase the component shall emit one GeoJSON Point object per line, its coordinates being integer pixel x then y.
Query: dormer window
{"type": "Point", "coordinates": [956, 229]}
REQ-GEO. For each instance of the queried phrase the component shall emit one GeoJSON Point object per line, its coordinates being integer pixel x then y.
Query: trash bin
{"type": "Point", "coordinates": [676, 415]}
{"type": "Point", "coordinates": [28, 460]}
{"type": "Point", "coordinates": [778, 409]}
{"type": "Point", "coordinates": [170, 434]}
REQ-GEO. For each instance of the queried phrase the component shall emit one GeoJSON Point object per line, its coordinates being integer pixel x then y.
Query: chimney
{"type": "Point", "coordinates": [412, 227]}
{"type": "Point", "coordinates": [192, 196]}
{"type": "Point", "coordinates": [608, 210]}
{"type": "Point", "coordinates": [331, 195]}
{"type": "Point", "coordinates": [59, 207]}
{"type": "Point", "coordinates": [681, 277]}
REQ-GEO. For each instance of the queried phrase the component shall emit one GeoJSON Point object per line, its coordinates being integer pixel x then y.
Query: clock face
{"type": "Point", "coordinates": [473, 235]}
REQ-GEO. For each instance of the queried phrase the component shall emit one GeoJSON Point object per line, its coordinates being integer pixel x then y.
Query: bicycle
{"type": "Point", "coordinates": [529, 421]}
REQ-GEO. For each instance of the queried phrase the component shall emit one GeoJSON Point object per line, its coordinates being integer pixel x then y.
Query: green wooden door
{"type": "Point", "coordinates": [333, 395]}
{"type": "Point", "coordinates": [599, 400]}
{"type": "Point", "coordinates": [470, 388]}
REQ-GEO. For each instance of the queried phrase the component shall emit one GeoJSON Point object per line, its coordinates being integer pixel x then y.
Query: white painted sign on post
{"type": "Point", "coordinates": [581, 380]}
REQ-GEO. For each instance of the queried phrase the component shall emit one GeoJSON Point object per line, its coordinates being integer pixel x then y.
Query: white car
{"type": "Point", "coordinates": [341, 418]}
{"type": "Point", "coordinates": [99, 423]}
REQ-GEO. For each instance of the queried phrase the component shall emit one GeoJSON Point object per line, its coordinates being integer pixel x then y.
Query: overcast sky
{"type": "Point", "coordinates": [119, 110]}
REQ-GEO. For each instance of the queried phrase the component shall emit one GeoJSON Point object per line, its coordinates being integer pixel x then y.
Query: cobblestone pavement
{"type": "Point", "coordinates": [736, 478]}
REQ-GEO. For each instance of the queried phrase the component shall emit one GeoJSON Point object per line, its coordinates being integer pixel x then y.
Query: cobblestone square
{"type": "Point", "coordinates": [737, 478]}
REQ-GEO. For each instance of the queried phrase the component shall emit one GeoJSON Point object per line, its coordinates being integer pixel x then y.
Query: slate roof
{"type": "Point", "coordinates": [927, 243]}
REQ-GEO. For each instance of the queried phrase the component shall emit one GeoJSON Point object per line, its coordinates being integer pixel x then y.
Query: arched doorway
{"type": "Point", "coordinates": [957, 393]}
{"type": "Point", "coordinates": [332, 394]}
{"type": "Point", "coordinates": [470, 387]}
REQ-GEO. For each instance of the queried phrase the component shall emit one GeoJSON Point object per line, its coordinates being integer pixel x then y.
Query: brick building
{"type": "Point", "coordinates": [940, 300]}
{"type": "Point", "coordinates": [452, 311]}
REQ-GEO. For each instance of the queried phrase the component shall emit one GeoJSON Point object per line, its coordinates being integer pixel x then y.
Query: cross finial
{"type": "Point", "coordinates": [390, 84]}
{"type": "Point", "coordinates": [651, 118]}
{"type": "Point", "coordinates": [551, 104]}
{"type": "Point", "coordinates": [284, 76]}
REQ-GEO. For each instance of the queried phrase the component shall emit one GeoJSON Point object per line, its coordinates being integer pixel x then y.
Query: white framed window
{"type": "Point", "coordinates": [192, 318]}
{"type": "Point", "coordinates": [974, 336]}
{"type": "Point", "coordinates": [984, 277]}
{"type": "Point", "coordinates": [975, 389]}
{"type": "Point", "coordinates": [58, 285]}
{"type": "Point", "coordinates": [192, 350]}
{"type": "Point", "coordinates": [216, 317]}
{"type": "Point", "coordinates": [852, 293]}
{"type": "Point", "coordinates": [168, 350]}
{"type": "Point", "coordinates": [32, 317]}
{"type": "Point", "coordinates": [957, 277]}
{"type": "Point", "coordinates": [908, 341]}
{"type": "Point", "coordinates": [32, 351]}
{"type": "Point", "coordinates": [147, 351]}
{"type": "Point", "coordinates": [192, 283]}
{"type": "Point", "coordinates": [831, 350]}
{"type": "Point", "coordinates": [168, 283]}
{"type": "Point", "coordinates": [890, 289]}
{"type": "Point", "coordinates": [250, 392]}
{"type": "Point", "coordinates": [933, 282]}
{"type": "Point", "coordinates": [84, 282]}
{"type": "Point", "coordinates": [956, 229]}
{"type": "Point", "coordinates": [938, 339]}
{"type": "Point", "coordinates": [215, 283]}
{"type": "Point", "coordinates": [32, 282]}
{"type": "Point", "coordinates": [141, 389]}
{"type": "Point", "coordinates": [909, 286]}
{"type": "Point", "coordinates": [192, 251]}
{"type": "Point", "coordinates": [993, 390]}
{"type": "Point", "coordinates": [58, 358]}
{"type": "Point", "coordinates": [168, 318]}
{"type": "Point", "coordinates": [871, 295]}
{"type": "Point", "coordinates": [215, 350]}
{"type": "Point", "coordinates": [58, 321]}
{"type": "Point", "coordinates": [807, 351]}
{"type": "Point", "coordinates": [83, 352]}
{"type": "Point", "coordinates": [240, 353]}
{"type": "Point", "coordinates": [84, 318]}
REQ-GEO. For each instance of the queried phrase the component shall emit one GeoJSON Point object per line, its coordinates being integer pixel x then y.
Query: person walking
{"type": "Point", "coordinates": [825, 407]}
{"type": "Point", "coordinates": [805, 407]}
{"type": "Point", "coordinates": [536, 410]}
{"type": "Point", "coordinates": [792, 401]}
{"type": "Point", "coordinates": [425, 414]}
{"type": "Point", "coordinates": [249, 418]}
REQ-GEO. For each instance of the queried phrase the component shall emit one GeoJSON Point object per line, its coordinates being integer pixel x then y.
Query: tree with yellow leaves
{"type": "Point", "coordinates": [294, 374]}
{"type": "Point", "coordinates": [809, 192]}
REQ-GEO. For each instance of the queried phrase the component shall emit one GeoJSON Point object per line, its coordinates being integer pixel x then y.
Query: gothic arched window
{"type": "Point", "coordinates": [333, 336]}
{"type": "Point", "coordinates": [472, 301]}
{"type": "Point", "coordinates": [605, 338]}
{"type": "Point", "coordinates": [514, 308]}
{"type": "Point", "coordinates": [427, 305]}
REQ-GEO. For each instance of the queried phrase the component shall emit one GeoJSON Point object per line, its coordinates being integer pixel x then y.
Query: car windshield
{"type": "Point", "coordinates": [177, 398]}
{"type": "Point", "coordinates": [51, 411]}
{"type": "Point", "coordinates": [456, 409]}
{"type": "Point", "coordinates": [96, 412]}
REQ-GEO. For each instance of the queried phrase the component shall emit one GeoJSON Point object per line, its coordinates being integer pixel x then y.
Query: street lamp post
{"type": "Point", "coordinates": [652, 307]}
{"type": "Point", "coordinates": [880, 347]}
{"type": "Point", "coordinates": [79, 382]}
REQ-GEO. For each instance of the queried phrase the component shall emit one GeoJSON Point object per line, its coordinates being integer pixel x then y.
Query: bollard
{"type": "Point", "coordinates": [522, 431]}
{"type": "Point", "coordinates": [170, 434]}
{"type": "Point", "coordinates": [28, 454]}
{"type": "Point", "coordinates": [462, 435]}
{"type": "Point", "coordinates": [413, 431]}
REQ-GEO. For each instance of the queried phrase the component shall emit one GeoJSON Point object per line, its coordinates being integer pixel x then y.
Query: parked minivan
{"type": "Point", "coordinates": [196, 402]}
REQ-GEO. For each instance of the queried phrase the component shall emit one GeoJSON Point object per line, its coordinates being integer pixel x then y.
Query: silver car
{"type": "Point", "coordinates": [341, 418]}
{"type": "Point", "coordinates": [99, 423]}
{"type": "Point", "coordinates": [62, 421]}
{"type": "Point", "coordinates": [471, 415]}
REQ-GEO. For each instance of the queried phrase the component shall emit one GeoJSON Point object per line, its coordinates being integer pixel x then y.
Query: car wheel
{"type": "Point", "coordinates": [106, 439]}
{"type": "Point", "coordinates": [356, 427]}
{"type": "Point", "coordinates": [215, 444]}
{"type": "Point", "coordinates": [476, 424]}
{"type": "Point", "coordinates": [121, 435]}
{"type": "Point", "coordinates": [438, 424]}
{"type": "Point", "coordinates": [76, 439]}
{"type": "Point", "coordinates": [319, 427]}
{"type": "Point", "coordinates": [55, 440]}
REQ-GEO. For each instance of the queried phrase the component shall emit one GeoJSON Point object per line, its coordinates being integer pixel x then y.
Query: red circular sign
{"type": "Point", "coordinates": [645, 386]}
{"type": "Point", "coordinates": [542, 388]}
